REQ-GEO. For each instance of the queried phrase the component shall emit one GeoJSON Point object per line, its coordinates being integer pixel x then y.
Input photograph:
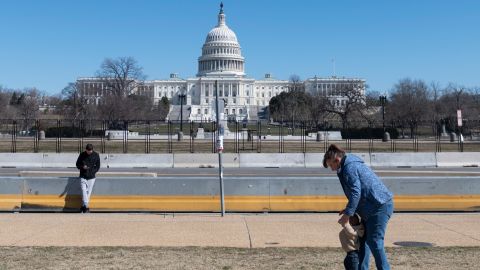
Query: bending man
{"type": "Point", "coordinates": [368, 197]}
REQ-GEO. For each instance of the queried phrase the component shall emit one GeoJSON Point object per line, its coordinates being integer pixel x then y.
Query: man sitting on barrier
{"type": "Point", "coordinates": [88, 163]}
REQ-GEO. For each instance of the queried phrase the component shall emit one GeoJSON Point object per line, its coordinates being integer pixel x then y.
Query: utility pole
{"type": "Point", "coordinates": [383, 100]}
{"type": "Point", "coordinates": [182, 97]}
{"type": "Point", "coordinates": [386, 135]}
{"type": "Point", "coordinates": [220, 132]}
{"type": "Point", "coordinates": [459, 120]}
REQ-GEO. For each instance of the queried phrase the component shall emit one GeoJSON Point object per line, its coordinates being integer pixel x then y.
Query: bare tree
{"type": "Point", "coordinates": [409, 102]}
{"type": "Point", "coordinates": [351, 101]}
{"type": "Point", "coordinates": [453, 98]}
{"type": "Point", "coordinates": [74, 105]}
{"type": "Point", "coordinates": [370, 110]}
{"type": "Point", "coordinates": [295, 83]}
{"type": "Point", "coordinates": [318, 108]}
{"type": "Point", "coordinates": [475, 102]}
{"type": "Point", "coordinates": [5, 97]}
{"type": "Point", "coordinates": [458, 93]}
{"type": "Point", "coordinates": [28, 107]}
{"type": "Point", "coordinates": [122, 77]}
{"type": "Point", "coordinates": [436, 92]}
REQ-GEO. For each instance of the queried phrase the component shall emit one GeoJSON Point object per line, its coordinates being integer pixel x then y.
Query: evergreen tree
{"type": "Point", "coordinates": [14, 99]}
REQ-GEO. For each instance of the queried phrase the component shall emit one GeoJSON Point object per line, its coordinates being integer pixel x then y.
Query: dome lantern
{"type": "Point", "coordinates": [221, 52]}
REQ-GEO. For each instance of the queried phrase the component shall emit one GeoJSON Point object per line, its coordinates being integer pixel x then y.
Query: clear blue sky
{"type": "Point", "coordinates": [49, 43]}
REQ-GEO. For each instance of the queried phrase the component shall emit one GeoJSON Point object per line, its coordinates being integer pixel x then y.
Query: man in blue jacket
{"type": "Point", "coordinates": [368, 197]}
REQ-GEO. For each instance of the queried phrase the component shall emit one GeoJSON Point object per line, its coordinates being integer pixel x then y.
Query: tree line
{"type": "Point", "coordinates": [410, 102]}
{"type": "Point", "coordinates": [122, 78]}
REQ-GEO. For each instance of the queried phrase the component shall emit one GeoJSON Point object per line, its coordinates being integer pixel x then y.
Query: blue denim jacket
{"type": "Point", "coordinates": [364, 190]}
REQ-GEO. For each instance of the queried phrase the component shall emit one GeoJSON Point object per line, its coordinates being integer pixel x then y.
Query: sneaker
{"type": "Point", "coordinates": [83, 209]}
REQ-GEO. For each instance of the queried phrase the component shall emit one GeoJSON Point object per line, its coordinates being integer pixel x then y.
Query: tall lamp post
{"type": "Point", "coordinates": [459, 120]}
{"type": "Point", "coordinates": [219, 109]}
{"type": "Point", "coordinates": [182, 97]}
{"type": "Point", "coordinates": [383, 101]}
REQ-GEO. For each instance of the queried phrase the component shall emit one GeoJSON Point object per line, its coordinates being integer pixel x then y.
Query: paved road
{"type": "Point", "coordinates": [259, 171]}
{"type": "Point", "coordinates": [233, 230]}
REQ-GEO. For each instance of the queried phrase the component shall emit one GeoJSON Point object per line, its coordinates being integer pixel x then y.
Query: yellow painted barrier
{"type": "Point", "coordinates": [10, 202]}
{"type": "Point", "coordinates": [234, 203]}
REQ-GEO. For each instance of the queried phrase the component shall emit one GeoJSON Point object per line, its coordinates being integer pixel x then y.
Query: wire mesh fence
{"type": "Point", "coordinates": [155, 136]}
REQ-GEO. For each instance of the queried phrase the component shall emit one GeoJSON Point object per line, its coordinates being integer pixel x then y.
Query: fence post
{"type": "Point", "coordinates": [147, 138]}
{"type": "Point", "coordinates": [214, 135]}
{"type": "Point", "coordinates": [125, 136]}
{"type": "Point", "coordinates": [58, 139]}
{"type": "Point", "coordinates": [192, 137]}
{"type": "Point", "coordinates": [102, 136]}
{"type": "Point", "coordinates": [169, 137]}
{"type": "Point", "coordinates": [14, 136]}
{"type": "Point", "coordinates": [437, 126]}
{"type": "Point", "coordinates": [325, 137]}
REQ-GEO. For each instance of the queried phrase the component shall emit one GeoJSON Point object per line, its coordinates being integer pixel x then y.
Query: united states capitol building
{"type": "Point", "coordinates": [222, 62]}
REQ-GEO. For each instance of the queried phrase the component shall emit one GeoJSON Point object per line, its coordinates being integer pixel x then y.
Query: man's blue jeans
{"type": "Point", "coordinates": [375, 227]}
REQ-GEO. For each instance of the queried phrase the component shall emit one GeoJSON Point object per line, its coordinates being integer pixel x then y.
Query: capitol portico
{"type": "Point", "coordinates": [221, 62]}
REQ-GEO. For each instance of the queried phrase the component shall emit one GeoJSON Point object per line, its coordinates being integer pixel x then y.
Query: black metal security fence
{"type": "Point", "coordinates": [142, 136]}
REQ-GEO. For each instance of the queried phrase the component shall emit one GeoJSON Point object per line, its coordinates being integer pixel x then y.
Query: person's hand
{"type": "Point", "coordinates": [344, 219]}
{"type": "Point", "coordinates": [85, 167]}
{"type": "Point", "coordinates": [341, 212]}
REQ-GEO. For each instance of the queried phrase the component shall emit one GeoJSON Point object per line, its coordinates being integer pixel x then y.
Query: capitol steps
{"type": "Point", "coordinates": [175, 113]}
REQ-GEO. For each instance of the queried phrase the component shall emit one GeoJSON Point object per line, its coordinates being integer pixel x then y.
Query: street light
{"type": "Point", "coordinates": [182, 97]}
{"type": "Point", "coordinates": [219, 110]}
{"type": "Point", "coordinates": [383, 101]}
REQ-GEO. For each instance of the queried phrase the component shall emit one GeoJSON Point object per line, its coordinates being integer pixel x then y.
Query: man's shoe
{"type": "Point", "coordinates": [87, 210]}
{"type": "Point", "coordinates": [83, 209]}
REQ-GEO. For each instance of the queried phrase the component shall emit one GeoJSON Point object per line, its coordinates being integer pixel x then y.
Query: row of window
{"type": "Point", "coordinates": [220, 38]}
{"type": "Point", "coordinates": [234, 101]}
{"type": "Point", "coordinates": [232, 111]}
{"type": "Point", "coordinates": [221, 50]}
{"type": "Point", "coordinates": [270, 87]}
{"type": "Point", "coordinates": [171, 87]}
{"type": "Point", "coordinates": [222, 93]}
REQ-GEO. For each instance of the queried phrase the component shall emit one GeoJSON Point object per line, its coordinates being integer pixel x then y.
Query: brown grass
{"type": "Point", "coordinates": [224, 258]}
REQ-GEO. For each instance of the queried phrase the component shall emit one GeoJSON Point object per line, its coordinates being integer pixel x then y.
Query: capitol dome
{"type": "Point", "coordinates": [221, 53]}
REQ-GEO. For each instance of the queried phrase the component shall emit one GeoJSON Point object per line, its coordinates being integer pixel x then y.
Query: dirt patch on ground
{"type": "Point", "coordinates": [224, 258]}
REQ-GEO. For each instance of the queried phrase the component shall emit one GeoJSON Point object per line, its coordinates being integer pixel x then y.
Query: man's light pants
{"type": "Point", "coordinates": [87, 188]}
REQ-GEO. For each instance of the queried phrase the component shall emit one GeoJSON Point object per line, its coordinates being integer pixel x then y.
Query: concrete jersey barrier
{"type": "Point", "coordinates": [234, 160]}
{"type": "Point", "coordinates": [34, 160]}
{"type": "Point", "coordinates": [201, 193]}
{"type": "Point", "coordinates": [403, 160]}
{"type": "Point", "coordinates": [62, 160]}
{"type": "Point", "coordinates": [206, 160]}
{"type": "Point", "coordinates": [138, 161]}
{"type": "Point", "coordinates": [281, 160]}
{"type": "Point", "coordinates": [464, 159]}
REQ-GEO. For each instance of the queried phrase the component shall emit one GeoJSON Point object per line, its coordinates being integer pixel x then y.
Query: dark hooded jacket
{"type": "Point", "coordinates": [364, 190]}
{"type": "Point", "coordinates": [93, 163]}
